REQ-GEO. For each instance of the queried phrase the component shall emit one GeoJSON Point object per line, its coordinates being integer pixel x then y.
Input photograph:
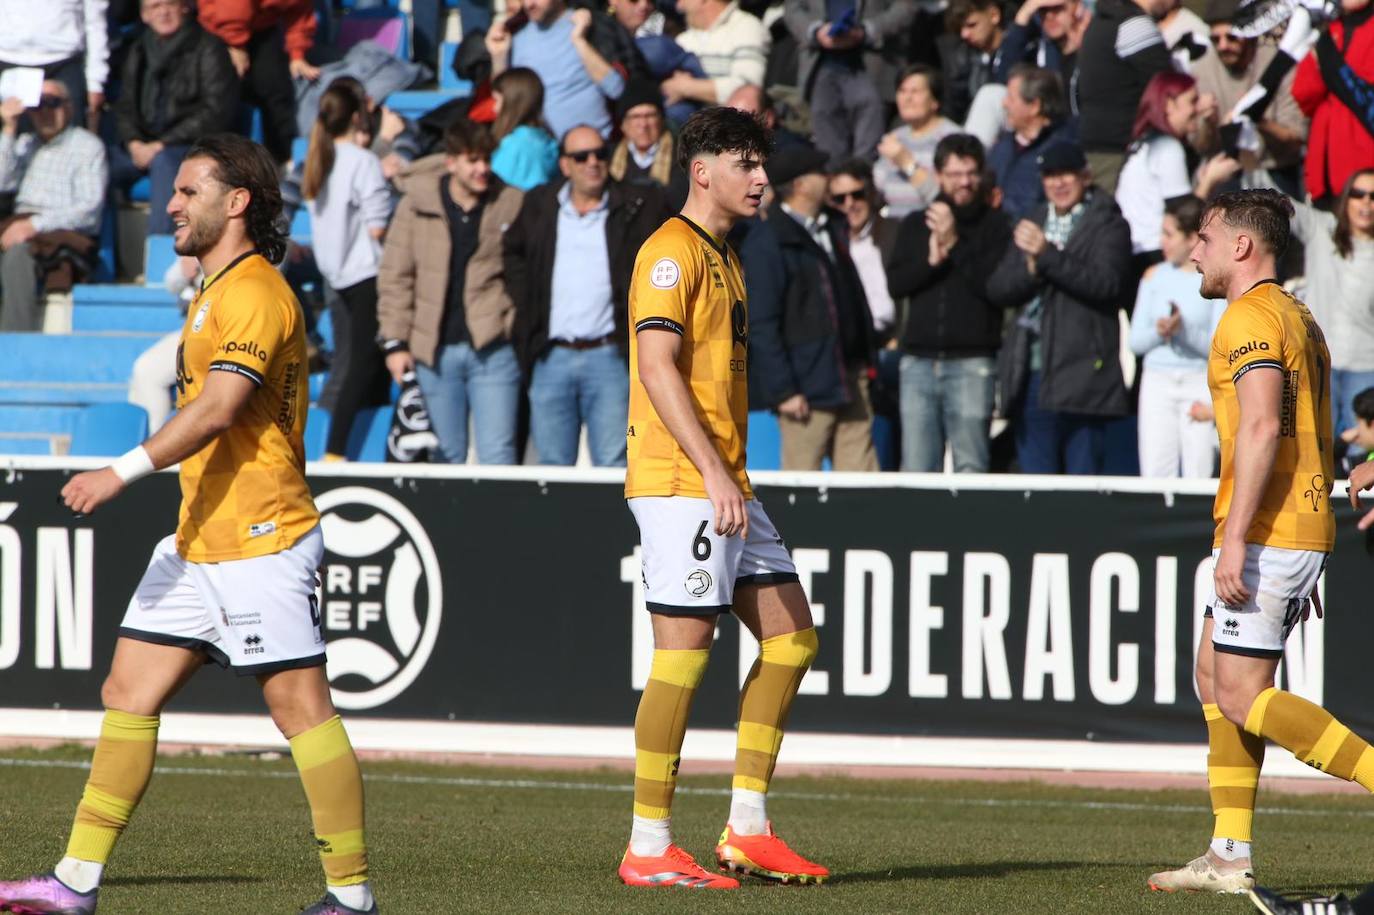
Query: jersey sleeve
{"type": "Point", "coordinates": [251, 327]}
{"type": "Point", "coordinates": [1249, 338]}
{"type": "Point", "coordinates": [666, 281]}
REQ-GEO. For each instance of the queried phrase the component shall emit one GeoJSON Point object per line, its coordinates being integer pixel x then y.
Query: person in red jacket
{"type": "Point", "coordinates": [1339, 142]}
{"type": "Point", "coordinates": [268, 41]}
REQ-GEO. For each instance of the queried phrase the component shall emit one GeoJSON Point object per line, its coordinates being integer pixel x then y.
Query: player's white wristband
{"type": "Point", "coordinates": [133, 465]}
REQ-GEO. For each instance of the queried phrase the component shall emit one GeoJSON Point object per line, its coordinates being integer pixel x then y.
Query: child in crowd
{"type": "Point", "coordinates": [1172, 329]}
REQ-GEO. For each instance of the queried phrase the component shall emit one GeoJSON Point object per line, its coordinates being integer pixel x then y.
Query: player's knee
{"type": "Point", "coordinates": [121, 696]}
{"type": "Point", "coordinates": [795, 649]}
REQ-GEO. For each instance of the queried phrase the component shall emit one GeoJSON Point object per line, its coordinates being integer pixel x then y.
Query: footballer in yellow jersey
{"type": "Point", "coordinates": [706, 543]}
{"type": "Point", "coordinates": [1270, 376]}
{"type": "Point", "coordinates": [237, 582]}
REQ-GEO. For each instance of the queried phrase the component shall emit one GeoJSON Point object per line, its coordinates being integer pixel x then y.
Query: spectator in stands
{"type": "Point", "coordinates": [177, 85]}
{"type": "Point", "coordinates": [952, 330]}
{"type": "Point", "coordinates": [731, 45]}
{"type": "Point", "coordinates": [1067, 270]}
{"type": "Point", "coordinates": [349, 203]}
{"type": "Point", "coordinates": [443, 306]}
{"type": "Point", "coordinates": [1338, 251]}
{"type": "Point", "coordinates": [69, 40]}
{"type": "Point", "coordinates": [970, 53]}
{"type": "Point", "coordinates": [754, 100]}
{"type": "Point", "coordinates": [1171, 328]}
{"type": "Point", "coordinates": [1226, 73]}
{"type": "Point", "coordinates": [1048, 34]}
{"type": "Point", "coordinates": [905, 170]}
{"type": "Point", "coordinates": [1036, 119]}
{"type": "Point", "coordinates": [58, 174]}
{"type": "Point", "coordinates": [872, 241]}
{"type": "Point", "coordinates": [155, 370]}
{"type": "Point", "coordinates": [1122, 49]}
{"type": "Point", "coordinates": [1156, 169]}
{"type": "Point", "coordinates": [526, 153]}
{"type": "Point", "coordinates": [663, 56]}
{"type": "Point", "coordinates": [268, 41]}
{"type": "Point", "coordinates": [577, 85]}
{"type": "Point", "coordinates": [810, 332]}
{"type": "Point", "coordinates": [569, 257]}
{"type": "Point", "coordinates": [849, 55]}
{"type": "Point", "coordinates": [647, 151]}
{"type": "Point", "coordinates": [1332, 86]}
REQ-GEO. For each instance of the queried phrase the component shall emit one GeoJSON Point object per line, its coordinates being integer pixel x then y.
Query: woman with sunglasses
{"type": "Point", "coordinates": [1338, 259]}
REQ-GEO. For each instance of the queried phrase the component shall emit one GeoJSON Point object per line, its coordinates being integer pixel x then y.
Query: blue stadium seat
{"type": "Point", "coordinates": [124, 308]}
{"type": "Point", "coordinates": [447, 78]}
{"type": "Point", "coordinates": [299, 147]}
{"type": "Point", "coordinates": [366, 440]}
{"type": "Point", "coordinates": [324, 326]}
{"type": "Point", "coordinates": [317, 381]}
{"type": "Point", "coordinates": [69, 369]}
{"type": "Point", "coordinates": [109, 429]}
{"type": "Point", "coordinates": [765, 441]}
{"type": "Point", "coordinates": [300, 226]}
{"type": "Point", "coordinates": [141, 190]}
{"type": "Point", "coordinates": [158, 255]}
{"type": "Point", "coordinates": [105, 257]}
{"type": "Point", "coordinates": [12, 443]}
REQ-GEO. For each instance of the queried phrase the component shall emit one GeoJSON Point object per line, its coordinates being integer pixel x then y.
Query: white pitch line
{"type": "Point", "coordinates": [536, 784]}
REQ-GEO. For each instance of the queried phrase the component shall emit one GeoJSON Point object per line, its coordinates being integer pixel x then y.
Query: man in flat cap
{"type": "Point", "coordinates": [810, 331]}
{"type": "Point", "coordinates": [1068, 270]}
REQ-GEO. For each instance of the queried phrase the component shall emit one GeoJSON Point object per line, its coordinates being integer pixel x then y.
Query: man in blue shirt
{"type": "Point", "coordinates": [577, 85]}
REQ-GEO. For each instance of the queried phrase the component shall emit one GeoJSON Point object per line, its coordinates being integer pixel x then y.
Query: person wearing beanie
{"type": "Point", "coordinates": [646, 153]}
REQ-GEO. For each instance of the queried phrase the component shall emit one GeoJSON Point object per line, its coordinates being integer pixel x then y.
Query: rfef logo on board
{"type": "Point", "coordinates": [381, 599]}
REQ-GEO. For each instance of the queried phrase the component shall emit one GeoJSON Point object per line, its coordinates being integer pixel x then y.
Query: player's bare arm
{"type": "Point", "coordinates": [658, 371]}
{"type": "Point", "coordinates": [1259, 392]}
{"type": "Point", "coordinates": [186, 433]}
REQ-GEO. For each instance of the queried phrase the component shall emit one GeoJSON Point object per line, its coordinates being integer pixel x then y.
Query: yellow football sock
{"type": "Point", "coordinates": [1233, 767]}
{"type": "Point", "coordinates": [764, 704]}
{"type": "Point", "coordinates": [660, 725]}
{"type": "Point", "coordinates": [1312, 734]}
{"type": "Point", "coordinates": [334, 788]}
{"type": "Point", "coordinates": [120, 770]}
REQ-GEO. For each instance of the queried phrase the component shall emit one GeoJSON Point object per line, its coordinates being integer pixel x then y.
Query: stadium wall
{"type": "Point", "coordinates": [501, 610]}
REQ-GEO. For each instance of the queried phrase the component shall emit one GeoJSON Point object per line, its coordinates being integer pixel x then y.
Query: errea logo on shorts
{"type": "Point", "coordinates": [665, 273]}
{"type": "Point", "coordinates": [382, 596]}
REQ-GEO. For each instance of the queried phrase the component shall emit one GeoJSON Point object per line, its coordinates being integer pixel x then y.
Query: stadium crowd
{"type": "Point", "coordinates": [974, 255]}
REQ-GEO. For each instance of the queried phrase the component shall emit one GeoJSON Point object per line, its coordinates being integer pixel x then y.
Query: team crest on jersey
{"type": "Point", "coordinates": [201, 312]}
{"type": "Point", "coordinates": [739, 324]}
{"type": "Point", "coordinates": [665, 273]}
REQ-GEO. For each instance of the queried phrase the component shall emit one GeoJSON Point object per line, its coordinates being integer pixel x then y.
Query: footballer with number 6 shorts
{"type": "Point", "coordinates": [1270, 375]}
{"type": "Point", "coordinates": [236, 583]}
{"type": "Point", "coordinates": [707, 544]}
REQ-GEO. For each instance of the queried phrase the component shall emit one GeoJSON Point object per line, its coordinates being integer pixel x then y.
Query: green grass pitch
{"type": "Point", "coordinates": [230, 834]}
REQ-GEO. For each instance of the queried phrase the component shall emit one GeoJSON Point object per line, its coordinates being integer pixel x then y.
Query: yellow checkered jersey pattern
{"type": "Point", "coordinates": [688, 282]}
{"type": "Point", "coordinates": [245, 493]}
{"type": "Point", "coordinates": [1269, 329]}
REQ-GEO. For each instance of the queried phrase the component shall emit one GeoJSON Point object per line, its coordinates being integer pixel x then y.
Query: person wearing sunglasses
{"type": "Point", "coordinates": [569, 256]}
{"type": "Point", "coordinates": [1231, 68]}
{"type": "Point", "coordinates": [813, 339]}
{"type": "Point", "coordinates": [58, 173]}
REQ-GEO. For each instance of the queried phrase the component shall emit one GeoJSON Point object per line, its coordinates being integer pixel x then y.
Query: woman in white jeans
{"type": "Point", "coordinates": [1172, 329]}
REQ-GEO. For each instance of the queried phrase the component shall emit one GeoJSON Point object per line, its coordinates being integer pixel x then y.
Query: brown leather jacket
{"type": "Point", "coordinates": [412, 285]}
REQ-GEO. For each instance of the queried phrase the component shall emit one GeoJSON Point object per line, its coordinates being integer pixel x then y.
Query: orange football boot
{"type": "Point", "coordinates": [766, 856]}
{"type": "Point", "coordinates": [672, 868]}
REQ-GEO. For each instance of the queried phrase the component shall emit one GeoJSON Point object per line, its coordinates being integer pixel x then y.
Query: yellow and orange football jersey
{"type": "Point", "coordinates": [245, 494]}
{"type": "Point", "coordinates": [688, 282]}
{"type": "Point", "coordinates": [1268, 329]}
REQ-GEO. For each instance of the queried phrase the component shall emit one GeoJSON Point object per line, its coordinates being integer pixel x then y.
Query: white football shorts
{"type": "Point", "coordinates": [691, 570]}
{"type": "Point", "coordinates": [1279, 581]}
{"type": "Point", "coordinates": [256, 615]}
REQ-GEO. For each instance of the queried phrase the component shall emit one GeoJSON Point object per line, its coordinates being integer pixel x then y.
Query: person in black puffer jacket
{"type": "Point", "coordinates": [1068, 269]}
{"type": "Point", "coordinates": [952, 329]}
{"type": "Point", "coordinates": [178, 86]}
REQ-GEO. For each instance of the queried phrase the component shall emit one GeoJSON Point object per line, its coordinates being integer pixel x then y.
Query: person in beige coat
{"type": "Point", "coordinates": [443, 308]}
